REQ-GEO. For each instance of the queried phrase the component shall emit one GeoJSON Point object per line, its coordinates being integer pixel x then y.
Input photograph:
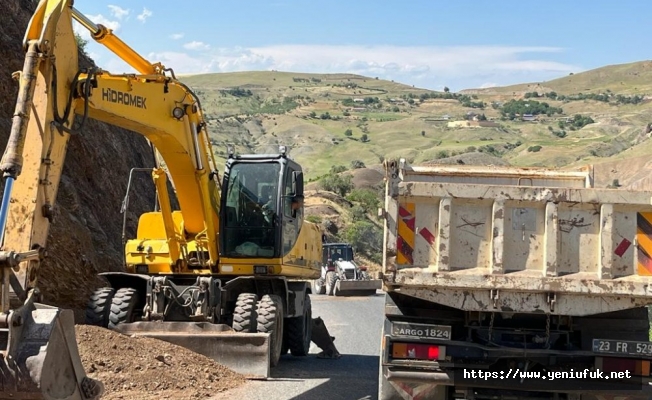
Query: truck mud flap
{"type": "Point", "coordinates": [245, 353]}
{"type": "Point", "coordinates": [357, 288]}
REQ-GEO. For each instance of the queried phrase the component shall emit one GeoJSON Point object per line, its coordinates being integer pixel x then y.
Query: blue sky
{"type": "Point", "coordinates": [431, 44]}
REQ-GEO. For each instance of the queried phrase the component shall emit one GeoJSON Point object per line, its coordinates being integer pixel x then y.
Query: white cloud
{"type": "Point", "coordinates": [118, 12]}
{"type": "Point", "coordinates": [176, 36]}
{"type": "Point", "coordinates": [195, 45]}
{"type": "Point", "coordinates": [144, 15]}
{"type": "Point", "coordinates": [458, 67]}
{"type": "Point", "coordinates": [97, 19]}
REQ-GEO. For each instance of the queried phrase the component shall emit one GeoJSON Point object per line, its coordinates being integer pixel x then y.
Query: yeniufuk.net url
{"type": "Point", "coordinates": [516, 373]}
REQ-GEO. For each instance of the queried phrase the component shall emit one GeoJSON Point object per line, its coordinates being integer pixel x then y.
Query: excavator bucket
{"type": "Point", "coordinates": [357, 287]}
{"type": "Point", "coordinates": [39, 358]}
{"type": "Point", "coordinates": [245, 353]}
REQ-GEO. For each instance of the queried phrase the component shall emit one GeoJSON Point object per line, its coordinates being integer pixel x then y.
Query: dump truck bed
{"type": "Point", "coordinates": [516, 239]}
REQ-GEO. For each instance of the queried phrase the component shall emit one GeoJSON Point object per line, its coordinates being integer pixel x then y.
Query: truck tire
{"type": "Point", "coordinates": [244, 314]}
{"type": "Point", "coordinates": [299, 331]}
{"type": "Point", "coordinates": [331, 280]}
{"type": "Point", "coordinates": [318, 286]}
{"type": "Point", "coordinates": [270, 320]}
{"type": "Point", "coordinates": [123, 307]}
{"type": "Point", "coordinates": [98, 308]}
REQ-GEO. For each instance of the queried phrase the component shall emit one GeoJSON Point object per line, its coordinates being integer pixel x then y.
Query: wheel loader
{"type": "Point", "coordinates": [226, 274]}
{"type": "Point", "coordinates": [341, 275]}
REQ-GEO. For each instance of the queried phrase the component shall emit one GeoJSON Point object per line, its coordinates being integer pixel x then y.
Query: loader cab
{"type": "Point", "coordinates": [332, 252]}
{"type": "Point", "coordinates": [262, 206]}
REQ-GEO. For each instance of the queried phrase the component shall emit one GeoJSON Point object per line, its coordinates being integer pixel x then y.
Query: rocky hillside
{"type": "Point", "coordinates": [85, 237]}
{"type": "Point", "coordinates": [597, 116]}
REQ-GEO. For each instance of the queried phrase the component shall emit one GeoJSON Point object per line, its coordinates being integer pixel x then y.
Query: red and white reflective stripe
{"type": "Point", "coordinates": [414, 391]}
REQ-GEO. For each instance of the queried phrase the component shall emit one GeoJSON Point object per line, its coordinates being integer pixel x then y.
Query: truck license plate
{"type": "Point", "coordinates": [622, 347]}
{"type": "Point", "coordinates": [422, 331]}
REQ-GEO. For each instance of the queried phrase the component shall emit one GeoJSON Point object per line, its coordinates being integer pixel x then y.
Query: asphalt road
{"type": "Point", "coordinates": [356, 323]}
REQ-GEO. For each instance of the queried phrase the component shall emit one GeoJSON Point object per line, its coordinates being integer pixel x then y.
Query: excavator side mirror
{"type": "Point", "coordinates": [297, 177]}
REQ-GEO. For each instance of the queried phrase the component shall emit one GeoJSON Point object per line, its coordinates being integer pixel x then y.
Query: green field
{"type": "Point", "coordinates": [311, 114]}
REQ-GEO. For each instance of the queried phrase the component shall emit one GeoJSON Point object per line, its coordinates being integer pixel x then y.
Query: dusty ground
{"type": "Point", "coordinates": [143, 368]}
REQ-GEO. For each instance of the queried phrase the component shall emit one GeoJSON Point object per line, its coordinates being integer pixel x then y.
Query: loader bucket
{"type": "Point", "coordinates": [245, 353]}
{"type": "Point", "coordinates": [357, 288]}
{"type": "Point", "coordinates": [40, 359]}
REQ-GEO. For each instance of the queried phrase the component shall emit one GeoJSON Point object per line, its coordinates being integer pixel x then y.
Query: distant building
{"type": "Point", "coordinates": [472, 124]}
{"type": "Point", "coordinates": [358, 100]}
{"type": "Point", "coordinates": [529, 117]}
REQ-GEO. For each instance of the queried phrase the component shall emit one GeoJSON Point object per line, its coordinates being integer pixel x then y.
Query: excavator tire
{"type": "Point", "coordinates": [270, 320]}
{"type": "Point", "coordinates": [123, 307]}
{"type": "Point", "coordinates": [244, 315]}
{"type": "Point", "coordinates": [299, 331]}
{"type": "Point", "coordinates": [318, 286]}
{"type": "Point", "coordinates": [98, 308]}
{"type": "Point", "coordinates": [331, 280]}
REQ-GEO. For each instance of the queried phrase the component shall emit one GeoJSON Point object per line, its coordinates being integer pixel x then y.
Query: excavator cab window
{"type": "Point", "coordinates": [250, 212]}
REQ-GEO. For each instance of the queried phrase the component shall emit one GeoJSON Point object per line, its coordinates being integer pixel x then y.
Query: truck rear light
{"type": "Point", "coordinates": [417, 351]}
{"type": "Point", "coordinates": [362, 268]}
{"type": "Point", "coordinates": [614, 364]}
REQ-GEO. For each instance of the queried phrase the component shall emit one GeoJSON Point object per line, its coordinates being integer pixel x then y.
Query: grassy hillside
{"type": "Point", "coordinates": [591, 117]}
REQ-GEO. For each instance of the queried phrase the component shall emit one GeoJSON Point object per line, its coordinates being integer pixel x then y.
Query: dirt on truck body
{"type": "Point", "coordinates": [495, 275]}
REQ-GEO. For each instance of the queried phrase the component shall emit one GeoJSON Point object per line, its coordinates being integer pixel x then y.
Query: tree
{"type": "Point", "coordinates": [367, 198]}
{"type": "Point", "coordinates": [355, 164]}
{"type": "Point", "coordinates": [312, 114]}
{"type": "Point", "coordinates": [81, 43]}
{"type": "Point", "coordinates": [348, 132]}
{"type": "Point", "coordinates": [341, 185]}
{"type": "Point", "coordinates": [364, 137]}
{"type": "Point", "coordinates": [446, 89]}
{"type": "Point", "coordinates": [366, 238]}
{"type": "Point", "coordinates": [423, 133]}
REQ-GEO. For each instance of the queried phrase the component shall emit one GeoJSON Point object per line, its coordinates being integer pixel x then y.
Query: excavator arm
{"type": "Point", "coordinates": [39, 357]}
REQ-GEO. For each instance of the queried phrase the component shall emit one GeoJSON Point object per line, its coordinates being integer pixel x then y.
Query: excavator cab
{"type": "Point", "coordinates": [261, 207]}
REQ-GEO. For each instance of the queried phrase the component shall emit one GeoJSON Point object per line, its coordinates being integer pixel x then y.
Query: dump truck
{"type": "Point", "coordinates": [341, 275]}
{"type": "Point", "coordinates": [514, 283]}
{"type": "Point", "coordinates": [226, 275]}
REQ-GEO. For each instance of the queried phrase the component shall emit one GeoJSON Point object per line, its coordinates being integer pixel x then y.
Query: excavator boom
{"type": "Point", "coordinates": [39, 357]}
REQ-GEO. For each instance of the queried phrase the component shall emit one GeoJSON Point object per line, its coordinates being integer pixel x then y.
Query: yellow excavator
{"type": "Point", "coordinates": [226, 275]}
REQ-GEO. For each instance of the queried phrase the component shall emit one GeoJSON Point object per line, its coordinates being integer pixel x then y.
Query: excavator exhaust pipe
{"type": "Point", "coordinates": [39, 358]}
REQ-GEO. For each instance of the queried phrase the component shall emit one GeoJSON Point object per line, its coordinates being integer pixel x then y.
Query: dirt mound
{"type": "Point", "coordinates": [318, 197]}
{"type": "Point", "coordinates": [322, 210]}
{"type": "Point", "coordinates": [145, 368]}
{"type": "Point", "coordinates": [366, 178]}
